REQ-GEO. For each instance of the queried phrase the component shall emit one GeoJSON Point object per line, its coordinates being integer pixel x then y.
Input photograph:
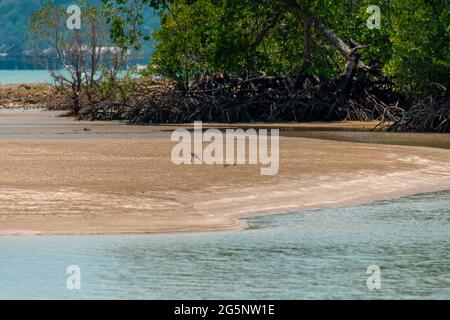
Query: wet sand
{"type": "Point", "coordinates": [434, 140]}
{"type": "Point", "coordinates": [61, 176]}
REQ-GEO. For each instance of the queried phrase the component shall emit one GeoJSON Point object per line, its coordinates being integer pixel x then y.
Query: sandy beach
{"type": "Point", "coordinates": [61, 176]}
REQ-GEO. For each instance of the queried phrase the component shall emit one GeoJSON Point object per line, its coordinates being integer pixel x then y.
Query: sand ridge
{"type": "Point", "coordinates": [58, 178]}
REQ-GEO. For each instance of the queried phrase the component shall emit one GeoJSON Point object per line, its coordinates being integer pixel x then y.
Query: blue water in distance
{"type": "Point", "coordinates": [321, 254]}
{"type": "Point", "coordinates": [29, 76]}
{"type": "Point", "coordinates": [24, 76]}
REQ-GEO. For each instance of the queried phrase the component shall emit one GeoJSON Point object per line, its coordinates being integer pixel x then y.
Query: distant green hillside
{"type": "Point", "coordinates": [14, 15]}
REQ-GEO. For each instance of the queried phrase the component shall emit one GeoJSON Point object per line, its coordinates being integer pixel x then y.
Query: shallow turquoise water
{"type": "Point", "coordinates": [24, 76]}
{"type": "Point", "coordinates": [322, 254]}
{"type": "Point", "coordinates": [28, 76]}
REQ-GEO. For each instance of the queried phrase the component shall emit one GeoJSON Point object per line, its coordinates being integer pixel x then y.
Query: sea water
{"type": "Point", "coordinates": [320, 254]}
{"type": "Point", "coordinates": [24, 76]}
{"type": "Point", "coordinates": [38, 76]}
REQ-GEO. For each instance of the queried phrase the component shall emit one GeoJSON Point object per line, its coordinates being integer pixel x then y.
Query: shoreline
{"type": "Point", "coordinates": [58, 179]}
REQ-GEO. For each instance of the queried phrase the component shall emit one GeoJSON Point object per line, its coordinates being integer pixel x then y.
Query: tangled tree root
{"type": "Point", "coordinates": [265, 99]}
{"type": "Point", "coordinates": [430, 114]}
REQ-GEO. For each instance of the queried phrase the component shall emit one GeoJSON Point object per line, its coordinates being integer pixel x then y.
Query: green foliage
{"type": "Point", "coordinates": [132, 21]}
{"type": "Point", "coordinates": [240, 37]}
{"type": "Point", "coordinates": [253, 37]}
{"type": "Point", "coordinates": [421, 45]}
{"type": "Point", "coordinates": [186, 41]}
{"type": "Point", "coordinates": [263, 36]}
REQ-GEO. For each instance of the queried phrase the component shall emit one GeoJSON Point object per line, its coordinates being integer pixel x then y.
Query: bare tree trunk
{"type": "Point", "coordinates": [353, 60]}
{"type": "Point", "coordinates": [328, 34]}
{"type": "Point", "coordinates": [346, 78]}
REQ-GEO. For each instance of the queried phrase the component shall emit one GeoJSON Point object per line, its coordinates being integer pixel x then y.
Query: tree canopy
{"type": "Point", "coordinates": [284, 36]}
